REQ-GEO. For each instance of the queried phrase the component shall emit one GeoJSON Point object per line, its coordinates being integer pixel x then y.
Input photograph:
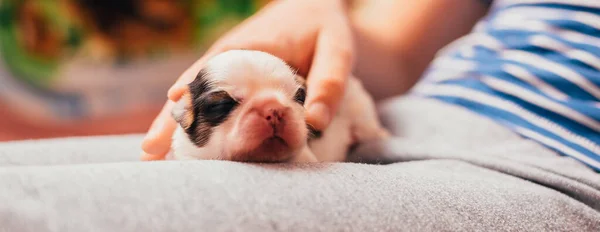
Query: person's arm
{"type": "Point", "coordinates": [397, 39]}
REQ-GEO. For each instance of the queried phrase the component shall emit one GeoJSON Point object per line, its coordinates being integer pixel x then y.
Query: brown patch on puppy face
{"type": "Point", "coordinates": [186, 117]}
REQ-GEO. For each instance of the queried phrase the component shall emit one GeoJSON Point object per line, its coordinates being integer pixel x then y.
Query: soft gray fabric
{"type": "Point", "coordinates": [455, 171]}
{"type": "Point", "coordinates": [83, 150]}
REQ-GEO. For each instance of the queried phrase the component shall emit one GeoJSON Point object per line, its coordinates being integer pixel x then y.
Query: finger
{"type": "Point", "coordinates": [327, 78]}
{"type": "Point", "coordinates": [157, 142]}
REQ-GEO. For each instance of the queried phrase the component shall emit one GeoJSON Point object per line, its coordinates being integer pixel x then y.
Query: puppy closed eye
{"type": "Point", "coordinates": [217, 107]}
{"type": "Point", "coordinates": [300, 96]}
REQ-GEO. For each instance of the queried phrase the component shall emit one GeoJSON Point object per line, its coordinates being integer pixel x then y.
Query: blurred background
{"type": "Point", "coordinates": [101, 67]}
{"type": "Point", "coordinates": [92, 67]}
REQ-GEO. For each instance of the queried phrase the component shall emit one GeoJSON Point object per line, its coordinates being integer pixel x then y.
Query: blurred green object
{"type": "Point", "coordinates": [220, 15]}
{"type": "Point", "coordinates": [37, 36]}
{"type": "Point", "coordinates": [22, 64]}
{"type": "Point", "coordinates": [65, 60]}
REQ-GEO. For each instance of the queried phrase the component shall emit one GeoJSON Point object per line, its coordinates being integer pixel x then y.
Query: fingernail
{"type": "Point", "coordinates": [320, 113]}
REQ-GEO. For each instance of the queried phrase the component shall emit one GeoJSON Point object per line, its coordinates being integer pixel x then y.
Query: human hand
{"type": "Point", "coordinates": [313, 36]}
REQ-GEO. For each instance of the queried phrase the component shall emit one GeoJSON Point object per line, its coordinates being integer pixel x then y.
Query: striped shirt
{"type": "Point", "coordinates": [533, 66]}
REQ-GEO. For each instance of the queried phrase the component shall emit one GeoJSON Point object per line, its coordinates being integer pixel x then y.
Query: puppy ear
{"type": "Point", "coordinates": [182, 111]}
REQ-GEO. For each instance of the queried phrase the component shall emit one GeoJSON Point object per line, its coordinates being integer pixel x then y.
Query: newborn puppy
{"type": "Point", "coordinates": [248, 106]}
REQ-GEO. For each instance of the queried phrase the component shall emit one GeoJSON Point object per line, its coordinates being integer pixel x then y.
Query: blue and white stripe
{"type": "Point", "coordinates": [534, 66]}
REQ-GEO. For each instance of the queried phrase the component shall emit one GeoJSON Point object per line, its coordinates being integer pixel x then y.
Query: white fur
{"type": "Point", "coordinates": [356, 117]}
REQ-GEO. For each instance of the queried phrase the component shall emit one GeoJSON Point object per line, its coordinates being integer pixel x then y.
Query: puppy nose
{"type": "Point", "coordinates": [271, 109]}
{"type": "Point", "coordinates": [273, 112]}
{"type": "Point", "coordinates": [273, 115]}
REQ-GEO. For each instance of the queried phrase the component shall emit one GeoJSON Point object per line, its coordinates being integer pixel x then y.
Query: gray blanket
{"type": "Point", "coordinates": [446, 170]}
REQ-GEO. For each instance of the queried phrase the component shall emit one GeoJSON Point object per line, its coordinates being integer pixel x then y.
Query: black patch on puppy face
{"type": "Point", "coordinates": [215, 107]}
{"type": "Point", "coordinates": [210, 108]}
{"type": "Point", "coordinates": [300, 95]}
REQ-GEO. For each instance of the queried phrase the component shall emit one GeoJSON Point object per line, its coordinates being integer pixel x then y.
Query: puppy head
{"type": "Point", "coordinates": [244, 106]}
